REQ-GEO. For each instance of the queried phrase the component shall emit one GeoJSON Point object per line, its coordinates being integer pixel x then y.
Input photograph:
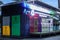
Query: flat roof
{"type": "Point", "coordinates": [38, 3]}
{"type": "Point", "coordinates": [46, 5]}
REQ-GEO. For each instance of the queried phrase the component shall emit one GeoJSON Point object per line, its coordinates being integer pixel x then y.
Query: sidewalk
{"type": "Point", "coordinates": [49, 38]}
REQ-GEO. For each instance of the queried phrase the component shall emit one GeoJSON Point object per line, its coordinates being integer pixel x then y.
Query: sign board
{"type": "Point", "coordinates": [52, 12]}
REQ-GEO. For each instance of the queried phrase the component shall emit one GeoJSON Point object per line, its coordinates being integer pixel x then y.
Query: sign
{"type": "Point", "coordinates": [16, 25]}
{"type": "Point", "coordinates": [6, 30]}
{"type": "Point", "coordinates": [52, 12]}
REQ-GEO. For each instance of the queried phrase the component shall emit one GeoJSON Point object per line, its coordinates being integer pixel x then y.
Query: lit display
{"type": "Point", "coordinates": [16, 25]}
{"type": "Point", "coordinates": [6, 30]}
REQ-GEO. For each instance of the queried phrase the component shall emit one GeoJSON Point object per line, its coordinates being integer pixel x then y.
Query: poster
{"type": "Point", "coordinates": [6, 26]}
{"type": "Point", "coordinates": [6, 20]}
{"type": "Point", "coordinates": [16, 25]}
{"type": "Point", "coordinates": [6, 30]}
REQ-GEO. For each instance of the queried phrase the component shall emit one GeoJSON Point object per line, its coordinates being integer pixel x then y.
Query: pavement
{"type": "Point", "coordinates": [48, 38]}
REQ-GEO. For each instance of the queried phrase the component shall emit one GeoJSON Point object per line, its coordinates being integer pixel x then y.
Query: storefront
{"type": "Point", "coordinates": [24, 19]}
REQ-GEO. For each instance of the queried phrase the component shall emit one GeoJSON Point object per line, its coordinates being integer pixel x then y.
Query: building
{"type": "Point", "coordinates": [47, 13]}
